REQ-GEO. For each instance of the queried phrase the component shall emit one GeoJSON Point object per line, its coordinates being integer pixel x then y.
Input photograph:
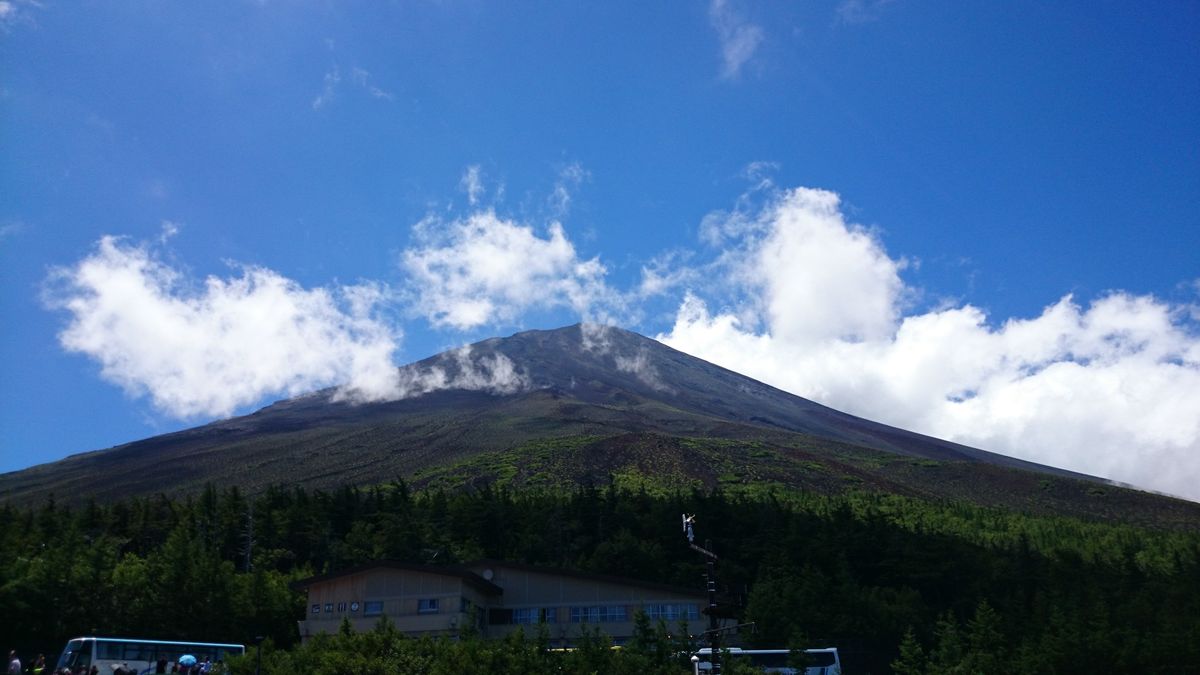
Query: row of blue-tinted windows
{"type": "Point", "coordinates": [672, 612]}
{"type": "Point", "coordinates": [599, 614]}
{"type": "Point", "coordinates": [532, 615]}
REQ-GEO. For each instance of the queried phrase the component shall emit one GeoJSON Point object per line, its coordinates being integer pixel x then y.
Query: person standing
{"type": "Point", "coordinates": [14, 664]}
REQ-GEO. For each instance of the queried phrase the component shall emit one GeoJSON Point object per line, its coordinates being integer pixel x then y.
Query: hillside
{"type": "Point", "coordinates": [620, 406]}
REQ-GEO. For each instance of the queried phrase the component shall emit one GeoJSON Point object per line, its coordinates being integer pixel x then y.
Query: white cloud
{"type": "Point", "coordinates": [14, 12]}
{"type": "Point", "coordinates": [169, 229]}
{"type": "Point", "coordinates": [861, 11]}
{"type": "Point", "coordinates": [209, 350]}
{"type": "Point", "coordinates": [640, 366]}
{"type": "Point", "coordinates": [359, 77]}
{"type": "Point", "coordinates": [472, 184]}
{"type": "Point", "coordinates": [739, 38]}
{"type": "Point", "coordinates": [363, 79]}
{"type": "Point", "coordinates": [487, 270]}
{"type": "Point", "coordinates": [333, 78]}
{"type": "Point", "coordinates": [460, 369]}
{"type": "Point", "coordinates": [1111, 388]}
{"type": "Point", "coordinates": [569, 180]}
{"type": "Point", "coordinates": [11, 229]}
{"type": "Point", "coordinates": [667, 272]}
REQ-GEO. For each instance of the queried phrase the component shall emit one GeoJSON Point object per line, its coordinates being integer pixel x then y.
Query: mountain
{"type": "Point", "coordinates": [618, 404]}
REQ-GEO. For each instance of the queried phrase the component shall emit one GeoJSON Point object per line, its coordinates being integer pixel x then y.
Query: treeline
{"type": "Point", "coordinates": [928, 587]}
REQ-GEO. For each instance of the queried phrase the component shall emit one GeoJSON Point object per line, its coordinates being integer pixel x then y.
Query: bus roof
{"type": "Point", "coordinates": [161, 642]}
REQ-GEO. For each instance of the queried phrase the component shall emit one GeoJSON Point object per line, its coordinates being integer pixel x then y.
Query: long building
{"type": "Point", "coordinates": [498, 597]}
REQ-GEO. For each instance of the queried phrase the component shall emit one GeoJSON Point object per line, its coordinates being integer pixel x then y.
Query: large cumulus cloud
{"type": "Point", "coordinates": [208, 350]}
{"type": "Point", "coordinates": [813, 304]}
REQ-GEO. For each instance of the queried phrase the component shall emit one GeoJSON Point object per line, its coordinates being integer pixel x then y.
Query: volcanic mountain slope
{"type": "Point", "coordinates": [597, 390]}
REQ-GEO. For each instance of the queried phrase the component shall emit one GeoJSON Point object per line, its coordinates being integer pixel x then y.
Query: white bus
{"type": "Point", "coordinates": [823, 661]}
{"type": "Point", "coordinates": [139, 656]}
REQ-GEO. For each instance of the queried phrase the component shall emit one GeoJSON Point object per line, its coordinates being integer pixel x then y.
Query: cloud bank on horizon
{"type": "Point", "coordinates": [782, 288]}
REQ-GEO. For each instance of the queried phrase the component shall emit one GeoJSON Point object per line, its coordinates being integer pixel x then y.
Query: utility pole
{"type": "Point", "coordinates": [714, 633]}
{"type": "Point", "coordinates": [714, 629]}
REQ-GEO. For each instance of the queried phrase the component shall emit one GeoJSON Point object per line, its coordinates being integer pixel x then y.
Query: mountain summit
{"type": "Point", "coordinates": [606, 388]}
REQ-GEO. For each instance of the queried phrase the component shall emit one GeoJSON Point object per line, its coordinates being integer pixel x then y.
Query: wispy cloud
{"type": "Point", "coordinates": [168, 230]}
{"type": "Point", "coordinates": [11, 229]}
{"type": "Point", "coordinates": [668, 272]}
{"type": "Point", "coordinates": [460, 368]}
{"type": "Point", "coordinates": [570, 178]}
{"type": "Point", "coordinates": [17, 12]}
{"type": "Point", "coordinates": [1109, 388]}
{"type": "Point", "coordinates": [359, 78]}
{"type": "Point", "coordinates": [861, 11]}
{"type": "Point", "coordinates": [472, 184]}
{"type": "Point", "coordinates": [332, 79]}
{"type": "Point", "coordinates": [739, 39]}
{"type": "Point", "coordinates": [363, 79]}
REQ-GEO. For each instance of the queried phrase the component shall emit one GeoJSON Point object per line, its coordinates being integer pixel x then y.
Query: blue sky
{"type": "Point", "coordinates": [976, 220]}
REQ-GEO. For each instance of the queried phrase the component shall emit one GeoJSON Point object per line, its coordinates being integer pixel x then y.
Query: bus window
{"type": "Point", "coordinates": [822, 659]}
{"type": "Point", "coordinates": [135, 651]}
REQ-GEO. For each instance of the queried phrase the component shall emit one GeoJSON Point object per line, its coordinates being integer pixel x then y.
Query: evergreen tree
{"type": "Point", "coordinates": [911, 660]}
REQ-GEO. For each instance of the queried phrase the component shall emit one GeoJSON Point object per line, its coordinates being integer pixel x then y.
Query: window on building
{"type": "Point", "coordinates": [427, 606]}
{"type": "Point", "coordinates": [672, 612]}
{"type": "Point", "coordinates": [614, 613]}
{"type": "Point", "coordinates": [316, 609]}
{"type": "Point", "coordinates": [329, 608]}
{"type": "Point", "coordinates": [373, 608]}
{"type": "Point", "coordinates": [354, 606]}
{"type": "Point", "coordinates": [341, 606]}
{"type": "Point", "coordinates": [599, 614]}
{"type": "Point", "coordinates": [525, 615]}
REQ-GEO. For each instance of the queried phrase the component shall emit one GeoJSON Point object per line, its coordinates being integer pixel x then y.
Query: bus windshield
{"type": "Point", "coordinates": [77, 653]}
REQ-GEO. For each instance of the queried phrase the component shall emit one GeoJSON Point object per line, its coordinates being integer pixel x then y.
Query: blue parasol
{"type": "Point", "coordinates": [187, 660]}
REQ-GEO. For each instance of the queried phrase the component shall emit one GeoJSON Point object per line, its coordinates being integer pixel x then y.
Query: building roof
{"type": "Point", "coordinates": [468, 577]}
{"type": "Point", "coordinates": [487, 587]}
{"type": "Point", "coordinates": [589, 576]}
